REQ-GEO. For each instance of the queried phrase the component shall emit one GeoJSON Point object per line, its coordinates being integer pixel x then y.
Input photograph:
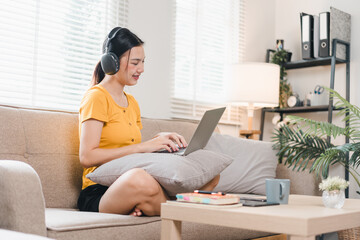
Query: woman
{"type": "Point", "coordinates": [110, 126]}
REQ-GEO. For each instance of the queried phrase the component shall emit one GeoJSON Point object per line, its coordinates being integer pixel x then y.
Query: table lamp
{"type": "Point", "coordinates": [254, 85]}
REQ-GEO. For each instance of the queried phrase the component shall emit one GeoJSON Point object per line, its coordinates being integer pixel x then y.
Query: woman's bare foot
{"type": "Point", "coordinates": [136, 213]}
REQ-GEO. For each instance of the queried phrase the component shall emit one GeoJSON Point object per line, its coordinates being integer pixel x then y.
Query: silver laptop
{"type": "Point", "coordinates": [202, 133]}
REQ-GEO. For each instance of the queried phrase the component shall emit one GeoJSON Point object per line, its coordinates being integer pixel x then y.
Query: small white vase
{"type": "Point", "coordinates": [333, 199]}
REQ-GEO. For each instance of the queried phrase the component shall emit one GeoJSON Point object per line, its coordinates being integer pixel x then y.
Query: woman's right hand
{"type": "Point", "coordinates": [159, 143]}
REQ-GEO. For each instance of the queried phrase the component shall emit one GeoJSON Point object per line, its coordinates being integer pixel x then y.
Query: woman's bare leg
{"type": "Point", "coordinates": [135, 189]}
{"type": "Point", "coordinates": [212, 184]}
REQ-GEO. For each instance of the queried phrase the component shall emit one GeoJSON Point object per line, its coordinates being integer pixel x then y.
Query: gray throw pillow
{"type": "Point", "coordinates": [254, 161]}
{"type": "Point", "coordinates": [176, 174]}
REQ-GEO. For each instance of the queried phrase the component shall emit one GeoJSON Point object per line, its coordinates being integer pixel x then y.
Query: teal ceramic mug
{"type": "Point", "coordinates": [277, 190]}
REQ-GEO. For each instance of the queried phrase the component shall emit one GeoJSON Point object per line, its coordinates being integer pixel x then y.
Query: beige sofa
{"type": "Point", "coordinates": [40, 179]}
{"type": "Point", "coordinates": [12, 235]}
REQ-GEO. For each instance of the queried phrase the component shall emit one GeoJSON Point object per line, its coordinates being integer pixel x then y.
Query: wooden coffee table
{"type": "Point", "coordinates": [302, 219]}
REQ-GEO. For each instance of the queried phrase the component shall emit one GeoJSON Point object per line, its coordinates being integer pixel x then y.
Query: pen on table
{"type": "Point", "coordinates": [209, 192]}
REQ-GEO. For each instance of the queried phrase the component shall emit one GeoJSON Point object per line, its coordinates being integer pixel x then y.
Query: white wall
{"type": "Point", "coordinates": [152, 22]}
{"type": "Point", "coordinates": [260, 29]}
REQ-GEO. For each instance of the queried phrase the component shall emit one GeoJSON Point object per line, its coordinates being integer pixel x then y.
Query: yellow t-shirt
{"type": "Point", "coordinates": [121, 124]}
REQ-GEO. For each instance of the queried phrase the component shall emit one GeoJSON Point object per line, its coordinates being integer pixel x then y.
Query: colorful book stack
{"type": "Point", "coordinates": [204, 197]}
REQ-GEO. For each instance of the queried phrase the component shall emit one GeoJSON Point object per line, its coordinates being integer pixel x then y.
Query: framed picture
{"type": "Point", "coordinates": [279, 44]}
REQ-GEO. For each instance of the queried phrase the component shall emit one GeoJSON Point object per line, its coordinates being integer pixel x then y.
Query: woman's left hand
{"type": "Point", "coordinates": [175, 137]}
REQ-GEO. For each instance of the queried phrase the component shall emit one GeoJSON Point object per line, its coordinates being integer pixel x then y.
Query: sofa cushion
{"type": "Point", "coordinates": [254, 161]}
{"type": "Point", "coordinates": [70, 219]}
{"type": "Point", "coordinates": [12, 137]}
{"type": "Point", "coordinates": [72, 224]}
{"type": "Point", "coordinates": [174, 173]}
{"type": "Point", "coordinates": [52, 143]}
{"type": "Point", "coordinates": [302, 182]}
{"type": "Point", "coordinates": [49, 142]}
{"type": "Point", "coordinates": [151, 127]}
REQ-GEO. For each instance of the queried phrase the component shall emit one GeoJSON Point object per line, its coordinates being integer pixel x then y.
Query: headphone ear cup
{"type": "Point", "coordinates": [110, 63]}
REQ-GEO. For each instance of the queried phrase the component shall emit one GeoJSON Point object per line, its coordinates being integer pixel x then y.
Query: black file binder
{"type": "Point", "coordinates": [307, 44]}
{"type": "Point", "coordinates": [316, 36]}
{"type": "Point", "coordinates": [324, 20]}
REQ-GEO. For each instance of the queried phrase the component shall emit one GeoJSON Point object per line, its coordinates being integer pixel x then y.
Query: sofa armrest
{"type": "Point", "coordinates": [301, 182]}
{"type": "Point", "coordinates": [22, 204]}
{"type": "Point", "coordinates": [12, 235]}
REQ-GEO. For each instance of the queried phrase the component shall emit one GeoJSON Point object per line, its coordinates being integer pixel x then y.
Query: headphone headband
{"type": "Point", "coordinates": [112, 34]}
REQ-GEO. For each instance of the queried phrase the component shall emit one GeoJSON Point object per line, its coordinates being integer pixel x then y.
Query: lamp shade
{"type": "Point", "coordinates": [254, 83]}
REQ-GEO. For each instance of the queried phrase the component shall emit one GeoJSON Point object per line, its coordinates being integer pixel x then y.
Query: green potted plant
{"type": "Point", "coordinates": [304, 141]}
{"type": "Point", "coordinates": [280, 57]}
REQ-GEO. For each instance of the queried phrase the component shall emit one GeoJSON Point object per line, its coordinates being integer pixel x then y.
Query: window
{"type": "Point", "coordinates": [49, 49]}
{"type": "Point", "coordinates": [208, 36]}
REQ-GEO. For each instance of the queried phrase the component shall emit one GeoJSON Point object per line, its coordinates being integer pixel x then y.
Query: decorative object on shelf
{"type": "Point", "coordinates": [285, 121]}
{"type": "Point", "coordinates": [276, 119]}
{"type": "Point", "coordinates": [294, 100]}
{"type": "Point", "coordinates": [308, 99]}
{"type": "Point", "coordinates": [280, 57]}
{"type": "Point", "coordinates": [333, 191]}
{"type": "Point", "coordinates": [279, 44]}
{"type": "Point", "coordinates": [254, 85]}
{"type": "Point", "coordinates": [270, 53]}
{"type": "Point", "coordinates": [303, 141]}
{"type": "Point", "coordinates": [320, 97]}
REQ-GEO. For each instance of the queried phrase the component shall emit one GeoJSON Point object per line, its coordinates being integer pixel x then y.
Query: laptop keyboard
{"type": "Point", "coordinates": [180, 152]}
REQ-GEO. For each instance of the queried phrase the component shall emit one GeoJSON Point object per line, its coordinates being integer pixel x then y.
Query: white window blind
{"type": "Point", "coordinates": [208, 36]}
{"type": "Point", "coordinates": [48, 49]}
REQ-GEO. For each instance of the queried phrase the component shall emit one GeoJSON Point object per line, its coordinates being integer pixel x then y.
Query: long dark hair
{"type": "Point", "coordinates": [124, 41]}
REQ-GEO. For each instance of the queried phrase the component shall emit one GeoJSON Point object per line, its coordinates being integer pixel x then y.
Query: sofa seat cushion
{"type": "Point", "coordinates": [66, 224]}
{"type": "Point", "coordinates": [58, 219]}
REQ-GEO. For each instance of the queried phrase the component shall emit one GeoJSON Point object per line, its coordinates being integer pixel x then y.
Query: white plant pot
{"type": "Point", "coordinates": [333, 199]}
